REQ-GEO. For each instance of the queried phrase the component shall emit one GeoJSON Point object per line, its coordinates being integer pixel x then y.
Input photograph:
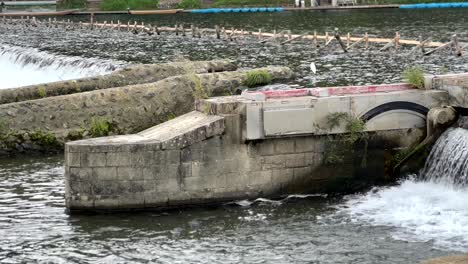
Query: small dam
{"type": "Point", "coordinates": [260, 144]}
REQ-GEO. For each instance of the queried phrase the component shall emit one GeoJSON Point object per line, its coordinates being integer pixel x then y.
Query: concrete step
{"type": "Point", "coordinates": [177, 133]}
{"type": "Point", "coordinates": [180, 126]}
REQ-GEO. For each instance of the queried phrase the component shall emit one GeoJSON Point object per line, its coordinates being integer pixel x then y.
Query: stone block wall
{"type": "Point", "coordinates": [217, 167]}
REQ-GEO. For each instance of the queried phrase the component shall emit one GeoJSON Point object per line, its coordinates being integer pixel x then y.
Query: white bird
{"type": "Point", "coordinates": [313, 68]}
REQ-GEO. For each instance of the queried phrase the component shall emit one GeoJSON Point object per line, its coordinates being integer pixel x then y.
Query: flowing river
{"type": "Point", "coordinates": [418, 218]}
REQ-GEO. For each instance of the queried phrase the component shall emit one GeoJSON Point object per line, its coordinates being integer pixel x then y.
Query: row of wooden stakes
{"type": "Point", "coordinates": [283, 37]}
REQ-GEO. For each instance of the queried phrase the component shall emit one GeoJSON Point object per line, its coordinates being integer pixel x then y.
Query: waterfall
{"type": "Point", "coordinates": [448, 160]}
{"type": "Point", "coordinates": [25, 66]}
{"type": "Point", "coordinates": [430, 207]}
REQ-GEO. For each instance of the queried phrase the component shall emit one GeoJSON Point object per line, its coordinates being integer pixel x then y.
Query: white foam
{"type": "Point", "coordinates": [25, 66]}
{"type": "Point", "coordinates": [420, 210]}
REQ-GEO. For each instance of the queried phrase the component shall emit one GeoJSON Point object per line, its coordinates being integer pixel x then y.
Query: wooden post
{"type": "Point", "coordinates": [193, 30]}
{"type": "Point", "coordinates": [91, 20]}
{"type": "Point", "coordinates": [176, 30]}
{"type": "Point", "coordinates": [217, 32]}
{"type": "Point", "coordinates": [119, 25]}
{"type": "Point", "coordinates": [397, 40]}
{"type": "Point", "coordinates": [259, 33]}
{"type": "Point", "coordinates": [337, 37]}
{"type": "Point", "coordinates": [326, 38]}
{"type": "Point", "coordinates": [366, 39]}
{"type": "Point", "coordinates": [348, 39]}
{"type": "Point", "coordinates": [422, 44]}
{"type": "Point", "coordinates": [289, 34]}
{"type": "Point", "coordinates": [456, 49]}
{"type": "Point", "coordinates": [315, 39]}
{"type": "Point", "coordinates": [183, 30]}
{"type": "Point", "coordinates": [128, 26]}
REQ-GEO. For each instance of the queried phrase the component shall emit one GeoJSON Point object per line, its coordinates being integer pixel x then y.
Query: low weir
{"type": "Point", "coordinates": [255, 145]}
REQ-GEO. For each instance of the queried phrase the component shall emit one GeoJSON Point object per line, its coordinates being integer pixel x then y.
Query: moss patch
{"type": "Point", "coordinates": [43, 138]}
{"type": "Point", "coordinates": [100, 127]}
{"type": "Point", "coordinates": [257, 77]}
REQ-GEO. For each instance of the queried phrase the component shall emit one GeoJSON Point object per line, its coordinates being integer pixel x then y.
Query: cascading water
{"type": "Point", "coordinates": [24, 66]}
{"type": "Point", "coordinates": [448, 161]}
{"type": "Point", "coordinates": [431, 207]}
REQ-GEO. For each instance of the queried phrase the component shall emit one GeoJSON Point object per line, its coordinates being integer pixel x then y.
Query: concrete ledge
{"type": "Point", "coordinates": [137, 74]}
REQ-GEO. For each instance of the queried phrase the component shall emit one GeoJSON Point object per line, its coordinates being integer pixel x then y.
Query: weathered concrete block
{"type": "Point", "coordinates": [273, 162]}
{"type": "Point", "coordinates": [265, 148]}
{"type": "Point", "coordinates": [170, 156]}
{"type": "Point", "coordinates": [73, 159]}
{"type": "Point", "coordinates": [143, 158]}
{"type": "Point", "coordinates": [184, 170]}
{"type": "Point", "coordinates": [170, 185]}
{"type": "Point", "coordinates": [284, 146]}
{"type": "Point", "coordinates": [152, 173]}
{"type": "Point", "coordinates": [194, 184]}
{"type": "Point", "coordinates": [93, 159]}
{"type": "Point", "coordinates": [80, 174]}
{"type": "Point", "coordinates": [282, 175]}
{"type": "Point", "coordinates": [302, 172]}
{"type": "Point", "coordinates": [105, 174]}
{"type": "Point", "coordinates": [305, 144]}
{"type": "Point", "coordinates": [119, 159]}
{"type": "Point", "coordinates": [295, 160]}
{"type": "Point", "coordinates": [260, 177]}
{"type": "Point", "coordinates": [129, 173]}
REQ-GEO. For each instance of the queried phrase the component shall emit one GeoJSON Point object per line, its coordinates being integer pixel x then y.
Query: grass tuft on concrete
{"type": "Point", "coordinates": [414, 75]}
{"type": "Point", "coordinates": [257, 77]}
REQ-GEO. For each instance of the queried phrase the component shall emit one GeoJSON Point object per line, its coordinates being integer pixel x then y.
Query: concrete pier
{"type": "Point", "coordinates": [260, 144]}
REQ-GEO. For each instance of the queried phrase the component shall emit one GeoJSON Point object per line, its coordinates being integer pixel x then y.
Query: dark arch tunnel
{"type": "Point", "coordinates": [391, 106]}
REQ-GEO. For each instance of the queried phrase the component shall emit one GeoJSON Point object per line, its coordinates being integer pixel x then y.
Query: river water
{"type": "Point", "coordinates": [333, 66]}
{"type": "Point", "coordinates": [404, 223]}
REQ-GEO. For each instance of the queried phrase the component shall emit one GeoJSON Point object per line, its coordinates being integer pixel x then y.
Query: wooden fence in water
{"type": "Point", "coordinates": [346, 42]}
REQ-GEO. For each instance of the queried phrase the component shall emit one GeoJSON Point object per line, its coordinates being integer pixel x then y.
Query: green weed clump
{"type": "Point", "coordinates": [117, 5]}
{"type": "Point", "coordinates": [190, 4]}
{"type": "Point", "coordinates": [415, 76]}
{"type": "Point", "coordinates": [199, 92]}
{"type": "Point", "coordinates": [41, 91]}
{"type": "Point", "coordinates": [44, 138]}
{"type": "Point", "coordinates": [99, 127]}
{"type": "Point", "coordinates": [257, 77]}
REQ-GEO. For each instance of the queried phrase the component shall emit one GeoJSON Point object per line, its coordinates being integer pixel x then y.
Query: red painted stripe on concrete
{"type": "Point", "coordinates": [285, 93]}
{"type": "Point", "coordinates": [335, 91]}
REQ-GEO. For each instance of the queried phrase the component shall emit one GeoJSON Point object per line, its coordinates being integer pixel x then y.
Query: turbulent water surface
{"type": "Point", "coordinates": [373, 228]}
{"type": "Point", "coordinates": [420, 217]}
{"type": "Point", "coordinates": [25, 66]}
{"type": "Point", "coordinates": [334, 67]}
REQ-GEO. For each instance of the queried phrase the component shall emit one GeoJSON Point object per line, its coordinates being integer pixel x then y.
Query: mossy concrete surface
{"type": "Point", "coordinates": [133, 75]}
{"type": "Point", "coordinates": [127, 109]}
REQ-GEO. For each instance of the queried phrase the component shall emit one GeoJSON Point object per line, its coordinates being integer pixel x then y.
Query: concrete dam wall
{"type": "Point", "coordinates": [152, 97]}
{"type": "Point", "coordinates": [262, 144]}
